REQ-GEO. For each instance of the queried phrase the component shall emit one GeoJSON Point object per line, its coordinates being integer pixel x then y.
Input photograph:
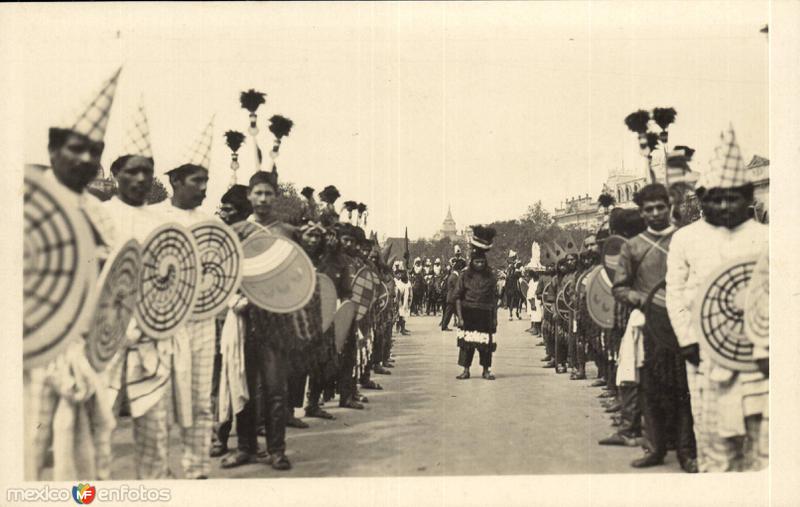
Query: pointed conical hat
{"type": "Point", "coordinates": [137, 141]}
{"type": "Point", "coordinates": [92, 121]}
{"type": "Point", "coordinates": [200, 152]}
{"type": "Point", "coordinates": [727, 168]}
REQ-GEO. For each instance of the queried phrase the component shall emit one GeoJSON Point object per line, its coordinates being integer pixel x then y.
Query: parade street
{"type": "Point", "coordinates": [427, 423]}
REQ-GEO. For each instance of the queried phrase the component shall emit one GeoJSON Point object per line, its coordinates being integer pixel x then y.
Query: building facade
{"type": "Point", "coordinates": [584, 212]}
{"type": "Point", "coordinates": [449, 230]}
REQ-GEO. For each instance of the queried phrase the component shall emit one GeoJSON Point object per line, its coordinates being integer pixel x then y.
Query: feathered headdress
{"type": "Point", "coordinates": [482, 237]}
{"type": "Point", "coordinates": [307, 192]}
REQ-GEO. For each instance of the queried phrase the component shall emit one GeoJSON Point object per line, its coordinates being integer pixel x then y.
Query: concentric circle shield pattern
{"type": "Point", "coordinates": [59, 266]}
{"type": "Point", "coordinates": [169, 281]}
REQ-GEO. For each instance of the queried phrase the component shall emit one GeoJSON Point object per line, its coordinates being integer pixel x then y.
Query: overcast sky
{"type": "Point", "coordinates": [410, 107]}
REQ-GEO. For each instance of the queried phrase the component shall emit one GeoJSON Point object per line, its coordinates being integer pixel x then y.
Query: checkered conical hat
{"type": "Point", "coordinates": [727, 168]}
{"type": "Point", "coordinates": [200, 152]}
{"type": "Point", "coordinates": [93, 119]}
{"type": "Point", "coordinates": [137, 140]}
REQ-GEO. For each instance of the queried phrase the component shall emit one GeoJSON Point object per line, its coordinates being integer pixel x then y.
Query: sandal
{"type": "Point", "coordinates": [218, 450]}
{"type": "Point", "coordinates": [235, 460]}
{"type": "Point", "coordinates": [463, 376]}
{"type": "Point", "coordinates": [488, 376]}
{"type": "Point", "coordinates": [319, 413]}
{"type": "Point", "coordinates": [372, 385]}
{"type": "Point", "coordinates": [280, 462]}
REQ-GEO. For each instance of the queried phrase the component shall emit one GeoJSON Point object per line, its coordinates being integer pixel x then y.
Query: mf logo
{"type": "Point", "coordinates": [83, 494]}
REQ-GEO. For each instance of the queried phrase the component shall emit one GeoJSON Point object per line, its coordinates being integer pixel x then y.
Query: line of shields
{"type": "Point", "coordinates": [176, 275]}
{"type": "Point", "coordinates": [731, 313]}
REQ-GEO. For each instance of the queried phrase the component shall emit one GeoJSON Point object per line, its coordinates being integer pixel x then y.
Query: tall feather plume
{"type": "Point", "coordinates": [664, 116]}
{"type": "Point", "coordinates": [361, 207]}
{"type": "Point", "coordinates": [252, 99]}
{"type": "Point", "coordinates": [637, 122]}
{"type": "Point", "coordinates": [234, 140]}
{"type": "Point", "coordinates": [280, 126]}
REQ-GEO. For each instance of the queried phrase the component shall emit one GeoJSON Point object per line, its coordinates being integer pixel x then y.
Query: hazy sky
{"type": "Point", "coordinates": [410, 107]}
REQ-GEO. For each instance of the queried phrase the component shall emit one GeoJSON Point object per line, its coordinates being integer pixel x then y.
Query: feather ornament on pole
{"type": "Point", "coordinates": [280, 126]}
{"type": "Point", "coordinates": [637, 123]}
{"type": "Point", "coordinates": [350, 206]}
{"type": "Point", "coordinates": [664, 117]}
{"type": "Point", "coordinates": [251, 100]}
{"type": "Point", "coordinates": [362, 209]}
{"type": "Point", "coordinates": [234, 140]}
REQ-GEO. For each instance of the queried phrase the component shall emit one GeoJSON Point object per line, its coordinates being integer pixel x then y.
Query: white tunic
{"type": "Point", "coordinates": [695, 252]}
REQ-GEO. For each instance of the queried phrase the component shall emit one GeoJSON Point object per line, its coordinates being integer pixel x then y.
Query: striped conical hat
{"type": "Point", "coordinates": [137, 140]}
{"type": "Point", "coordinates": [200, 152]}
{"type": "Point", "coordinates": [93, 119]}
{"type": "Point", "coordinates": [727, 168]}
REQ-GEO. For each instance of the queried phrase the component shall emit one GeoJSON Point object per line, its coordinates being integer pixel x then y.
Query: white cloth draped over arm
{"type": "Point", "coordinates": [679, 293]}
{"type": "Point", "coordinates": [233, 393]}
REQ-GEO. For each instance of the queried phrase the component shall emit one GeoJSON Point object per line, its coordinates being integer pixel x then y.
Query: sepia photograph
{"type": "Point", "coordinates": [390, 241]}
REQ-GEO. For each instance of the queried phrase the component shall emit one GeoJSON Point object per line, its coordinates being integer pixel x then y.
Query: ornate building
{"type": "Point", "coordinates": [585, 213]}
{"type": "Point", "coordinates": [449, 230]}
{"type": "Point", "coordinates": [581, 212]}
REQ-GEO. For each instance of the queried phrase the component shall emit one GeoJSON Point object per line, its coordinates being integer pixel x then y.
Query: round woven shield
{"type": "Point", "coordinates": [657, 321]}
{"type": "Point", "coordinates": [548, 306]}
{"type": "Point", "coordinates": [382, 296]}
{"type": "Point", "coordinates": [59, 266]}
{"type": "Point", "coordinates": [363, 291]}
{"type": "Point", "coordinates": [611, 249]}
{"type": "Point", "coordinates": [599, 300]}
{"type": "Point", "coordinates": [327, 296]}
{"type": "Point", "coordinates": [277, 275]}
{"type": "Point", "coordinates": [113, 303]}
{"type": "Point", "coordinates": [169, 282]}
{"type": "Point", "coordinates": [523, 288]}
{"type": "Point", "coordinates": [756, 313]}
{"type": "Point", "coordinates": [342, 322]}
{"type": "Point", "coordinates": [221, 261]}
{"type": "Point", "coordinates": [718, 314]}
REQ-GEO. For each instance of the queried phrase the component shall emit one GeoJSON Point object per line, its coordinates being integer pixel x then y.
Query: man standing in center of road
{"type": "Point", "coordinates": [476, 306]}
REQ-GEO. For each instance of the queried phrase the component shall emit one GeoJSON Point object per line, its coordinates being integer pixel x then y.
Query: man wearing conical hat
{"type": "Point", "coordinates": [727, 405]}
{"type": "Point", "coordinates": [65, 391]}
{"type": "Point", "coordinates": [194, 342]}
{"type": "Point", "coordinates": [146, 361]}
{"type": "Point", "coordinates": [476, 306]}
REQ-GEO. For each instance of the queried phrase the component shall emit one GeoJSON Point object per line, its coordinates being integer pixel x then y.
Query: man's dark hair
{"type": "Point", "coordinates": [651, 192]}
{"type": "Point", "coordinates": [260, 177]}
{"type": "Point", "coordinates": [56, 137]}
{"type": "Point", "coordinates": [181, 172]}
{"type": "Point", "coordinates": [118, 164]}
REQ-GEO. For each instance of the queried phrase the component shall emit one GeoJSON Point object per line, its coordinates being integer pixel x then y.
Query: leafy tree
{"type": "Point", "coordinates": [289, 205]}
{"type": "Point", "coordinates": [158, 192]}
